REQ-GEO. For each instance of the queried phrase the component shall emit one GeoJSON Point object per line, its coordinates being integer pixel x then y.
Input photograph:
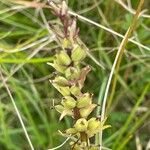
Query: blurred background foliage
{"type": "Point", "coordinates": [27, 44]}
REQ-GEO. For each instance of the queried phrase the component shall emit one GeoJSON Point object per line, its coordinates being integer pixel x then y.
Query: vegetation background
{"type": "Point", "coordinates": [27, 44]}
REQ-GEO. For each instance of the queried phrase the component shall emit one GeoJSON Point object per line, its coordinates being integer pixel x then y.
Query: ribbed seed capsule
{"type": "Point", "coordinates": [84, 101]}
{"type": "Point", "coordinates": [63, 58]}
{"type": "Point", "coordinates": [93, 124]}
{"type": "Point", "coordinates": [78, 53]}
{"type": "Point", "coordinates": [68, 102]}
{"type": "Point", "coordinates": [59, 108]}
{"type": "Point", "coordinates": [75, 90]}
{"type": "Point", "coordinates": [72, 73]}
{"type": "Point", "coordinates": [85, 112]}
{"type": "Point", "coordinates": [65, 91]}
{"type": "Point", "coordinates": [71, 131]}
{"type": "Point", "coordinates": [66, 43]}
{"type": "Point", "coordinates": [60, 81]}
{"type": "Point", "coordinates": [58, 67]}
{"type": "Point", "coordinates": [81, 125]}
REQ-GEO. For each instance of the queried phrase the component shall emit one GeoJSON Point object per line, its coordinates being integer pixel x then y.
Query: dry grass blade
{"type": "Point", "coordinates": [17, 111]}
{"type": "Point", "coordinates": [41, 5]}
{"type": "Point", "coordinates": [120, 2]}
{"type": "Point", "coordinates": [117, 62]}
{"type": "Point", "coordinates": [60, 145]}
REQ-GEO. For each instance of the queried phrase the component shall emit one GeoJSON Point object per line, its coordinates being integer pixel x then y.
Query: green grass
{"type": "Point", "coordinates": [26, 46]}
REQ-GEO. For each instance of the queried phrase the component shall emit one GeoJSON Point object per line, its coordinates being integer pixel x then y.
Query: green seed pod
{"type": "Point", "coordinates": [58, 67]}
{"type": "Point", "coordinates": [66, 112]}
{"type": "Point", "coordinates": [65, 91]}
{"type": "Point", "coordinates": [78, 53]}
{"type": "Point", "coordinates": [59, 108]}
{"type": "Point", "coordinates": [66, 43]}
{"type": "Point", "coordinates": [61, 81]}
{"type": "Point", "coordinates": [93, 124]}
{"type": "Point", "coordinates": [85, 112]}
{"type": "Point", "coordinates": [81, 125]}
{"type": "Point", "coordinates": [75, 90]}
{"type": "Point", "coordinates": [68, 73]}
{"type": "Point", "coordinates": [84, 101]}
{"type": "Point", "coordinates": [68, 102]}
{"type": "Point", "coordinates": [63, 58]}
{"type": "Point", "coordinates": [71, 131]}
{"type": "Point", "coordinates": [72, 73]}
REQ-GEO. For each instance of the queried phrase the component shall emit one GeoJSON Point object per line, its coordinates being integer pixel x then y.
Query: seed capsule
{"type": "Point", "coordinates": [66, 43]}
{"type": "Point", "coordinates": [78, 53]}
{"type": "Point", "coordinates": [65, 91]}
{"type": "Point", "coordinates": [85, 112]}
{"type": "Point", "coordinates": [84, 101]}
{"type": "Point", "coordinates": [71, 131]}
{"type": "Point", "coordinates": [58, 67]}
{"type": "Point", "coordinates": [72, 73]}
{"type": "Point", "coordinates": [93, 124]}
{"type": "Point", "coordinates": [81, 125]}
{"type": "Point", "coordinates": [68, 102]}
{"type": "Point", "coordinates": [60, 81]}
{"type": "Point", "coordinates": [67, 112]}
{"type": "Point", "coordinates": [63, 58]}
{"type": "Point", "coordinates": [59, 108]}
{"type": "Point", "coordinates": [75, 90]}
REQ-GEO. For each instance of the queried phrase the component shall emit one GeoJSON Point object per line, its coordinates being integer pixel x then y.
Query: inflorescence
{"type": "Point", "coordinates": [69, 81]}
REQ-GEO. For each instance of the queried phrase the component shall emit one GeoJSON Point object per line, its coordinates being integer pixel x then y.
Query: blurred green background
{"type": "Point", "coordinates": [26, 45]}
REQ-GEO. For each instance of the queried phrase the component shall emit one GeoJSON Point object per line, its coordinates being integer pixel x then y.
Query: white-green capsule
{"type": "Point", "coordinates": [65, 91]}
{"type": "Point", "coordinates": [66, 112]}
{"type": "Point", "coordinates": [66, 43]}
{"type": "Point", "coordinates": [58, 67]}
{"type": "Point", "coordinates": [72, 73]}
{"type": "Point", "coordinates": [81, 125]}
{"type": "Point", "coordinates": [68, 102]}
{"type": "Point", "coordinates": [59, 80]}
{"type": "Point", "coordinates": [78, 53]}
{"type": "Point", "coordinates": [63, 58]}
{"type": "Point", "coordinates": [94, 124]}
{"type": "Point", "coordinates": [75, 90]}
{"type": "Point", "coordinates": [71, 131]}
{"type": "Point", "coordinates": [84, 101]}
{"type": "Point", "coordinates": [85, 112]}
{"type": "Point", "coordinates": [59, 108]}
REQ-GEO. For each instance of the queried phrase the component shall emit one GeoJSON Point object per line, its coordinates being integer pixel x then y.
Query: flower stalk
{"type": "Point", "coordinates": [69, 81]}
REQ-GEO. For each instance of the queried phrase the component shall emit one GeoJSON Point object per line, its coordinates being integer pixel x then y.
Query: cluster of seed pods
{"type": "Point", "coordinates": [69, 81]}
